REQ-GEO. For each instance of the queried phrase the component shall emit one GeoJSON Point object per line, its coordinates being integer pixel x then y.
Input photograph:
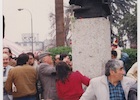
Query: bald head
{"type": "Point", "coordinates": [5, 60]}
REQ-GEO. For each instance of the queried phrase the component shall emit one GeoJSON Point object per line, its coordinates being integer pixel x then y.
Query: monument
{"type": "Point", "coordinates": [91, 8]}
{"type": "Point", "coordinates": [91, 47]}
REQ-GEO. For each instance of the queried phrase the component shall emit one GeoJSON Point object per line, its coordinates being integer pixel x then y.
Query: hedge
{"type": "Point", "coordinates": [132, 57]}
{"type": "Point", "coordinates": [60, 50]}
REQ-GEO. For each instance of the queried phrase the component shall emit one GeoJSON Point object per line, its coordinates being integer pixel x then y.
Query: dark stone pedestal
{"type": "Point", "coordinates": [91, 8]}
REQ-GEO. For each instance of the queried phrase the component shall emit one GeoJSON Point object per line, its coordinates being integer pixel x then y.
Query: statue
{"type": "Point", "coordinates": [91, 8]}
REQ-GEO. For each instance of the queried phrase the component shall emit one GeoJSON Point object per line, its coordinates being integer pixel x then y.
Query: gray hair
{"type": "Point", "coordinates": [113, 64]}
{"type": "Point", "coordinates": [42, 55]}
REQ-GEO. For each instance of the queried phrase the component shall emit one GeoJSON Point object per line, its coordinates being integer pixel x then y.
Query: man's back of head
{"type": "Point", "coordinates": [22, 59]}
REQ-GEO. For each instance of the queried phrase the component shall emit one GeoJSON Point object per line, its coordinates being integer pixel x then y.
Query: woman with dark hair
{"type": "Point", "coordinates": [69, 83]}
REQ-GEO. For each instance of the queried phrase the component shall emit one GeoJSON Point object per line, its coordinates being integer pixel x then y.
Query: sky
{"type": "Point", "coordinates": [18, 22]}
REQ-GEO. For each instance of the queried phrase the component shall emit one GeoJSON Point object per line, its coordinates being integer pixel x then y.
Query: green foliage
{"type": "Point", "coordinates": [133, 57]}
{"type": "Point", "coordinates": [125, 20]}
{"type": "Point", "coordinates": [60, 50]}
{"type": "Point", "coordinates": [119, 8]}
{"type": "Point", "coordinates": [129, 26]}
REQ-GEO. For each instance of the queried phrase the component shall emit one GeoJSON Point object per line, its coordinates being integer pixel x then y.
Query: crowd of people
{"type": "Point", "coordinates": [41, 77]}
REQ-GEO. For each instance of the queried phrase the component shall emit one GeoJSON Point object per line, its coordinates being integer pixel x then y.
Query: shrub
{"type": "Point", "coordinates": [60, 50]}
{"type": "Point", "coordinates": [132, 57]}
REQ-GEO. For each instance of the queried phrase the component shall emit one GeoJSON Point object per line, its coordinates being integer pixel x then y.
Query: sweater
{"type": "Point", "coordinates": [72, 89]}
{"type": "Point", "coordinates": [24, 77]}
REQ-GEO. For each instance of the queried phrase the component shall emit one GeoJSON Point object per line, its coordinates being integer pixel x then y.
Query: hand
{"type": "Point", "coordinates": [14, 89]}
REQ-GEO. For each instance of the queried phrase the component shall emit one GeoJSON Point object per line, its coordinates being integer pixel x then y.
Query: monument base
{"type": "Point", "coordinates": [91, 47]}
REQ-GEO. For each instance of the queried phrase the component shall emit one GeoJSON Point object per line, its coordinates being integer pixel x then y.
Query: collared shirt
{"type": "Point", "coordinates": [116, 92]}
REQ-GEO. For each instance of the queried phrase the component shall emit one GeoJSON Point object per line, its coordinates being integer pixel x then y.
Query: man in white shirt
{"type": "Point", "coordinates": [6, 68]}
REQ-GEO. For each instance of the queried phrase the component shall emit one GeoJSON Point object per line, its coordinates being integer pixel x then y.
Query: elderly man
{"type": "Point", "coordinates": [111, 86]}
{"type": "Point", "coordinates": [47, 76]}
{"type": "Point", "coordinates": [6, 68]}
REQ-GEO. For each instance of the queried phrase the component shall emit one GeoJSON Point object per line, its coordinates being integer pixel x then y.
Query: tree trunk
{"type": "Point", "coordinates": [66, 28]}
{"type": "Point", "coordinates": [60, 36]}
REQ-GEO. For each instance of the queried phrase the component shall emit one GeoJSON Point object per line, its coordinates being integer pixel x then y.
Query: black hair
{"type": "Point", "coordinates": [62, 56]}
{"type": "Point", "coordinates": [9, 50]}
{"type": "Point", "coordinates": [63, 71]}
{"type": "Point", "coordinates": [30, 53]}
{"type": "Point", "coordinates": [114, 53]}
{"type": "Point", "coordinates": [37, 58]}
{"type": "Point", "coordinates": [22, 59]}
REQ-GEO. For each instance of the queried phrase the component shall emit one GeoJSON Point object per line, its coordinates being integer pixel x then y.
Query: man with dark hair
{"type": "Point", "coordinates": [22, 59]}
{"type": "Point", "coordinates": [116, 47]}
{"type": "Point", "coordinates": [65, 57]}
{"type": "Point", "coordinates": [32, 61]}
{"type": "Point", "coordinates": [111, 86]}
{"type": "Point", "coordinates": [62, 56]}
{"type": "Point", "coordinates": [113, 54]}
{"type": "Point", "coordinates": [31, 58]}
{"type": "Point", "coordinates": [24, 77]}
{"type": "Point", "coordinates": [7, 50]}
{"type": "Point", "coordinates": [57, 59]}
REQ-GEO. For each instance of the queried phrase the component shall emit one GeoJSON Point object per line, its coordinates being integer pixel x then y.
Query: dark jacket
{"type": "Point", "coordinates": [132, 95]}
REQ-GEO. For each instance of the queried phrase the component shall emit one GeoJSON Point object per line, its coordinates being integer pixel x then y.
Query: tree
{"type": "Point", "coordinates": [67, 19]}
{"type": "Point", "coordinates": [122, 17]}
{"type": "Point", "coordinates": [119, 8]}
{"type": "Point", "coordinates": [60, 36]}
{"type": "Point", "coordinates": [129, 25]}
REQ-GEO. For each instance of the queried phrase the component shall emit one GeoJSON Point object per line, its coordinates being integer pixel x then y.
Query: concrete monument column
{"type": "Point", "coordinates": [91, 45]}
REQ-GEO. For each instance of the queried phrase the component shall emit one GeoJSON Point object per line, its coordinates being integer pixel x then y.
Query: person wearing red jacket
{"type": "Point", "coordinates": [69, 83]}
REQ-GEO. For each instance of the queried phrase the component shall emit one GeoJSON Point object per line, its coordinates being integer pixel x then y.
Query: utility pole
{"type": "Point", "coordinates": [32, 35]}
{"type": "Point", "coordinates": [59, 16]}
